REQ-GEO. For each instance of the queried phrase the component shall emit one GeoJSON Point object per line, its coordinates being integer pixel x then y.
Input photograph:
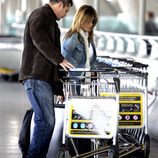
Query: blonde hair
{"type": "Point", "coordinates": [85, 14]}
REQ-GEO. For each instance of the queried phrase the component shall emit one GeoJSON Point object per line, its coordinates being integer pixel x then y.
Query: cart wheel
{"type": "Point", "coordinates": [146, 146]}
{"type": "Point", "coordinates": [144, 153]}
{"type": "Point", "coordinates": [113, 152]}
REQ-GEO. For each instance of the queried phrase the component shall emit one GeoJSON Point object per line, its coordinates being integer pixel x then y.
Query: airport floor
{"type": "Point", "coordinates": [13, 105]}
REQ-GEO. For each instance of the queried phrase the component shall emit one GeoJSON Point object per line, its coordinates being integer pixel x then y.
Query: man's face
{"type": "Point", "coordinates": [63, 10]}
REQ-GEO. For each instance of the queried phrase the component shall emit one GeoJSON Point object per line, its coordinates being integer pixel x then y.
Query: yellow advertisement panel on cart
{"type": "Point", "coordinates": [130, 109]}
{"type": "Point", "coordinates": [92, 117]}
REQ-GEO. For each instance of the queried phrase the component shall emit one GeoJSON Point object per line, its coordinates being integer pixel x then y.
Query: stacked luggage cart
{"type": "Point", "coordinates": [109, 109]}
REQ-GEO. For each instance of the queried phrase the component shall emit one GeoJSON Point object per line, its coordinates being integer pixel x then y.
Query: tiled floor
{"type": "Point", "coordinates": [13, 105]}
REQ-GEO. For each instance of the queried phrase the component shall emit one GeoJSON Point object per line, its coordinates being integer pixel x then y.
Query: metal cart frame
{"type": "Point", "coordinates": [124, 81]}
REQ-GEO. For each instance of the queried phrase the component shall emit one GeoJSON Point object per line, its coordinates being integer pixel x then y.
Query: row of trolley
{"type": "Point", "coordinates": [106, 114]}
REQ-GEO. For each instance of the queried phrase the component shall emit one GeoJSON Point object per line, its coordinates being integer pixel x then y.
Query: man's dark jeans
{"type": "Point", "coordinates": [41, 96]}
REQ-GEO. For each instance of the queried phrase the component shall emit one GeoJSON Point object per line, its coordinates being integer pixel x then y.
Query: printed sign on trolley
{"type": "Point", "coordinates": [92, 118]}
{"type": "Point", "coordinates": [130, 109]}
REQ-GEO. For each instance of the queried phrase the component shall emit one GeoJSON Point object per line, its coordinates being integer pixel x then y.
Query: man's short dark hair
{"type": "Point", "coordinates": [66, 2]}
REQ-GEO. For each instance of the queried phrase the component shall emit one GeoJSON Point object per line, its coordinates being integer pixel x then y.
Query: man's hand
{"type": "Point", "coordinates": [66, 65]}
{"type": "Point", "coordinates": [60, 99]}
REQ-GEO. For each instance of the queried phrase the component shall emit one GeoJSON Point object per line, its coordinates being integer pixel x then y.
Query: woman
{"type": "Point", "coordinates": [78, 46]}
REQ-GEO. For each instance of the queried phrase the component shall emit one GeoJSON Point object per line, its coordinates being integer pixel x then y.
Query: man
{"type": "Point", "coordinates": [39, 70]}
{"type": "Point", "coordinates": [150, 25]}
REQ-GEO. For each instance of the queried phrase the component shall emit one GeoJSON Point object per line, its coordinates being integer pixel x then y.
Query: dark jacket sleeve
{"type": "Point", "coordinates": [39, 30]}
{"type": "Point", "coordinates": [58, 88]}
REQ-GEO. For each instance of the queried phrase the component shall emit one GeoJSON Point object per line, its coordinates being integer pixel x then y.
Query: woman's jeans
{"type": "Point", "coordinates": [41, 96]}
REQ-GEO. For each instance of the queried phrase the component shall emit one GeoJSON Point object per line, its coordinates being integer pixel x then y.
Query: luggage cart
{"type": "Point", "coordinates": [88, 115]}
{"type": "Point", "coordinates": [120, 92]}
{"type": "Point", "coordinates": [133, 109]}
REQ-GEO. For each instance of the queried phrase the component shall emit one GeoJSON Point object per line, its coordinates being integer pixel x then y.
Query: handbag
{"type": "Point", "coordinates": [24, 136]}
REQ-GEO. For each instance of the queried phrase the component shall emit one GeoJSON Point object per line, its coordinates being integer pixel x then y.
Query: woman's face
{"type": "Point", "coordinates": [88, 26]}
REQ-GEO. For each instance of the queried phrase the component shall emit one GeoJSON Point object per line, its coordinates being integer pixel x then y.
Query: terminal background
{"type": "Point", "coordinates": [119, 20]}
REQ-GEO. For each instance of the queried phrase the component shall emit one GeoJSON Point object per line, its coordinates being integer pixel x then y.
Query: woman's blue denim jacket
{"type": "Point", "coordinates": [73, 49]}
